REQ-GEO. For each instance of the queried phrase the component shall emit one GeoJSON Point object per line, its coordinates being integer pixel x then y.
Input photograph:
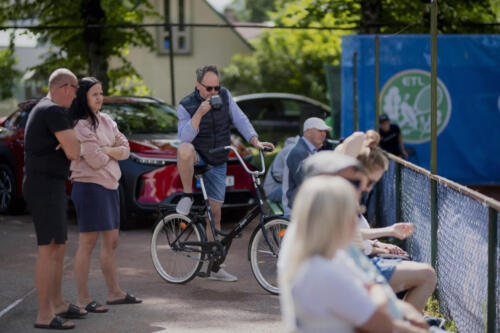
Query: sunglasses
{"type": "Point", "coordinates": [210, 88]}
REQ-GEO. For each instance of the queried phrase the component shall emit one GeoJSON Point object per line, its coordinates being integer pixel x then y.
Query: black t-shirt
{"type": "Point", "coordinates": [41, 159]}
{"type": "Point", "coordinates": [389, 141]}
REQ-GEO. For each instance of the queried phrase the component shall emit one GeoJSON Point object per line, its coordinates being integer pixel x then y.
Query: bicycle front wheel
{"type": "Point", "coordinates": [264, 263]}
{"type": "Point", "coordinates": [174, 255]}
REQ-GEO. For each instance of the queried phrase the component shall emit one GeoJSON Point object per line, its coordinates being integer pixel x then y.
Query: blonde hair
{"type": "Point", "coordinates": [323, 210]}
{"type": "Point", "coordinates": [373, 159]}
{"type": "Point", "coordinates": [371, 138]}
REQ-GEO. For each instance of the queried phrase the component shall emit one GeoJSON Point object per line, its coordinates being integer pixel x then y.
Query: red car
{"type": "Point", "coordinates": [149, 176]}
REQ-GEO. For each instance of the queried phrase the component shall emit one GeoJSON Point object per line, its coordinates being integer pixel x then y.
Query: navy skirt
{"type": "Point", "coordinates": [97, 208]}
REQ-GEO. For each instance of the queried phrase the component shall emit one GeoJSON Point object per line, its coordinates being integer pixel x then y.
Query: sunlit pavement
{"type": "Point", "coordinates": [199, 306]}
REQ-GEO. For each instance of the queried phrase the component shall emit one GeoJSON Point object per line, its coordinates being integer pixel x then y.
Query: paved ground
{"type": "Point", "coordinates": [199, 306]}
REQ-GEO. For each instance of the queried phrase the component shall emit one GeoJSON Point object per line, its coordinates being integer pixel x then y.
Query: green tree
{"type": "Point", "coordinates": [86, 50]}
{"type": "Point", "coordinates": [253, 10]}
{"type": "Point", "coordinates": [292, 61]}
{"type": "Point", "coordinates": [8, 74]}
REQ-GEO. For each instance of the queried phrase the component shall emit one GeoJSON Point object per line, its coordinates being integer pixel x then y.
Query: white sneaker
{"type": "Point", "coordinates": [184, 205]}
{"type": "Point", "coordinates": [222, 275]}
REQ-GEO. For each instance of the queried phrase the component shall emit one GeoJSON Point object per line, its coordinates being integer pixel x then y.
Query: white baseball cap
{"type": "Point", "coordinates": [317, 123]}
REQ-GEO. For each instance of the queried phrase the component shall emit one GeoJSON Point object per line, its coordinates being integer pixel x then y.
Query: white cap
{"type": "Point", "coordinates": [317, 123]}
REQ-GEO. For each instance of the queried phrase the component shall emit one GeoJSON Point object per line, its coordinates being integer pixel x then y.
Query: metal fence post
{"type": "Point", "coordinates": [399, 191]}
{"type": "Point", "coordinates": [355, 89]}
{"type": "Point", "coordinates": [171, 60]}
{"type": "Point", "coordinates": [377, 82]}
{"type": "Point", "coordinates": [434, 217]}
{"type": "Point", "coordinates": [492, 269]}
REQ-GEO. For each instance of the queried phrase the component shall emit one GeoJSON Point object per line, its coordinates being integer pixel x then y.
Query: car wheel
{"type": "Point", "coordinates": [9, 202]}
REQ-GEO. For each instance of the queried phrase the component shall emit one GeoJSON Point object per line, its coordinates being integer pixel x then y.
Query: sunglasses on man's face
{"type": "Point", "coordinates": [210, 88]}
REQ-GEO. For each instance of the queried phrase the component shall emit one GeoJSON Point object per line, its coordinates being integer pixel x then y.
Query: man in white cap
{"type": "Point", "coordinates": [315, 131]}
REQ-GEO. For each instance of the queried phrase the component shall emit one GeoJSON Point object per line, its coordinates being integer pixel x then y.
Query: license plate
{"type": "Point", "coordinates": [229, 181]}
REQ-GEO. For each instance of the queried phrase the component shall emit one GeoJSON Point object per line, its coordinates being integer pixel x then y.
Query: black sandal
{"type": "Point", "coordinates": [73, 312]}
{"type": "Point", "coordinates": [129, 299]}
{"type": "Point", "coordinates": [57, 323]}
{"type": "Point", "coordinates": [93, 307]}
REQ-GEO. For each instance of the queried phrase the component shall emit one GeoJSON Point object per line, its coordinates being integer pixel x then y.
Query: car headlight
{"type": "Point", "coordinates": [151, 160]}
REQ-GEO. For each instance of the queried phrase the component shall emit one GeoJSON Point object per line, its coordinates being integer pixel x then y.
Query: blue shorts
{"type": "Point", "coordinates": [385, 266]}
{"type": "Point", "coordinates": [215, 180]}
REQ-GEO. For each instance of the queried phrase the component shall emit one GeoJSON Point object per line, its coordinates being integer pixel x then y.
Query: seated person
{"type": "Point", "coordinates": [329, 163]}
{"type": "Point", "coordinates": [418, 279]}
{"type": "Point", "coordinates": [330, 295]}
{"type": "Point", "coordinates": [315, 131]}
{"type": "Point", "coordinates": [323, 289]}
{"type": "Point", "coordinates": [274, 177]}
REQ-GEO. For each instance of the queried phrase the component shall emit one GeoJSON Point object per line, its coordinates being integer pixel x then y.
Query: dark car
{"type": "Point", "coordinates": [277, 116]}
{"type": "Point", "coordinates": [149, 175]}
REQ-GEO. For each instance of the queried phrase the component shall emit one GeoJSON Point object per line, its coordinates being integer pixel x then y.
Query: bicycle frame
{"type": "Point", "coordinates": [248, 218]}
{"type": "Point", "coordinates": [218, 248]}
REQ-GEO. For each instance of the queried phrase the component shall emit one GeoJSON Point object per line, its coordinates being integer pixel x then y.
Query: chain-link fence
{"type": "Point", "coordinates": [465, 237]}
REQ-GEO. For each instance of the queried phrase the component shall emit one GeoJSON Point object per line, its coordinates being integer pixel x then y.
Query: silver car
{"type": "Point", "coordinates": [277, 116]}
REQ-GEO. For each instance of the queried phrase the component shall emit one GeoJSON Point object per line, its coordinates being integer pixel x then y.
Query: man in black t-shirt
{"type": "Point", "coordinates": [390, 137]}
{"type": "Point", "coordinates": [49, 145]}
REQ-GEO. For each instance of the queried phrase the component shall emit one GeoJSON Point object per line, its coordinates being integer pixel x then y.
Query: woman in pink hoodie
{"type": "Point", "coordinates": [95, 195]}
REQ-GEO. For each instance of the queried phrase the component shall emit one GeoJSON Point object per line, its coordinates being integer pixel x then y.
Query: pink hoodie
{"type": "Point", "coordinates": [94, 166]}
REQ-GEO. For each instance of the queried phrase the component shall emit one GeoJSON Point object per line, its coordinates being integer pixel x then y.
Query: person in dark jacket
{"type": "Point", "coordinates": [391, 139]}
{"type": "Point", "coordinates": [315, 131]}
{"type": "Point", "coordinates": [203, 127]}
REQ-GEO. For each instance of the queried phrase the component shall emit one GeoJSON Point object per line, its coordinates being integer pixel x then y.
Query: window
{"type": "Point", "coordinates": [139, 118]}
{"type": "Point", "coordinates": [291, 108]}
{"type": "Point", "coordinates": [175, 11]}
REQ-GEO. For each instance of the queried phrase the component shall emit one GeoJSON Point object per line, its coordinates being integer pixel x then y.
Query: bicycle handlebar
{"type": "Point", "coordinates": [257, 172]}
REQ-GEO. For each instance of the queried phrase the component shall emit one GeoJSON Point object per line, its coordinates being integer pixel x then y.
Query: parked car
{"type": "Point", "coordinates": [277, 116]}
{"type": "Point", "coordinates": [149, 175]}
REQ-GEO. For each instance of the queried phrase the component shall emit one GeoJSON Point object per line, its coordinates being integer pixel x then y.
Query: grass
{"type": "Point", "coordinates": [432, 309]}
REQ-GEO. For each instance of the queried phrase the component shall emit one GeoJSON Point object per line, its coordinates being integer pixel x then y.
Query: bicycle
{"type": "Point", "coordinates": [179, 244]}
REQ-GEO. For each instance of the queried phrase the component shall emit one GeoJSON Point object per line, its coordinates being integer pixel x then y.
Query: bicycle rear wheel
{"type": "Point", "coordinates": [174, 260]}
{"type": "Point", "coordinates": [264, 263]}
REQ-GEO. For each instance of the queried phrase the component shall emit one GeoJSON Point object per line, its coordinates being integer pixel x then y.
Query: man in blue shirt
{"type": "Point", "coordinates": [315, 131]}
{"type": "Point", "coordinates": [204, 126]}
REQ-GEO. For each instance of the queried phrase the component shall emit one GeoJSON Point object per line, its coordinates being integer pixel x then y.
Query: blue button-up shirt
{"type": "Point", "coordinates": [187, 133]}
{"type": "Point", "coordinates": [309, 145]}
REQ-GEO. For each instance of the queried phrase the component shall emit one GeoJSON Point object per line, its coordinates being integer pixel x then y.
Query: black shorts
{"type": "Point", "coordinates": [47, 201]}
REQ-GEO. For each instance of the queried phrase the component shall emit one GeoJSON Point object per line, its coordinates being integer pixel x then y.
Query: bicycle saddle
{"type": "Point", "coordinates": [201, 169]}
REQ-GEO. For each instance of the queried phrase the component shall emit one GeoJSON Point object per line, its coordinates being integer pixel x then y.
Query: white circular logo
{"type": "Point", "coordinates": [406, 99]}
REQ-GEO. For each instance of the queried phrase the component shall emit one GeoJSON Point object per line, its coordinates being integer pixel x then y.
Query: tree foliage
{"type": "Point", "coordinates": [8, 74]}
{"type": "Point", "coordinates": [86, 51]}
{"type": "Point", "coordinates": [287, 60]}
{"type": "Point", "coordinates": [253, 10]}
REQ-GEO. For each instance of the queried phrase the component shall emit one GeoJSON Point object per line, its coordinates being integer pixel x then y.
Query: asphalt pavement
{"type": "Point", "coordinates": [198, 306]}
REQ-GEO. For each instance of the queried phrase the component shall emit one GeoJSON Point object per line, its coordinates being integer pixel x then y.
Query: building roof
{"type": "Point", "coordinates": [224, 18]}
